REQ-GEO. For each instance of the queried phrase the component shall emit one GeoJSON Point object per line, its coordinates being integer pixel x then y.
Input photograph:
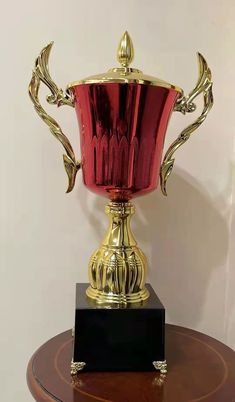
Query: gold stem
{"type": "Point", "coordinates": [119, 233]}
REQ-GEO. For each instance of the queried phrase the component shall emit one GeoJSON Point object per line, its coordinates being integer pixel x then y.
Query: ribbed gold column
{"type": "Point", "coordinates": [117, 269]}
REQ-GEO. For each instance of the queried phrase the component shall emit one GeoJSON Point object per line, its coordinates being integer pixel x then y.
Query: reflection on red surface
{"type": "Point", "coordinates": [122, 128]}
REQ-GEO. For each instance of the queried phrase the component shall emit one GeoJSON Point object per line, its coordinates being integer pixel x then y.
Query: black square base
{"type": "Point", "coordinates": [118, 339]}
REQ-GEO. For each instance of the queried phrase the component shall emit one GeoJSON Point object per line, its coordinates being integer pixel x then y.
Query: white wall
{"type": "Point", "coordinates": [48, 236]}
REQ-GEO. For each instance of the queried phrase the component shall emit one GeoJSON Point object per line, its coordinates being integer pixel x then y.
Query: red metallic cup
{"type": "Point", "coordinates": [123, 116]}
{"type": "Point", "coordinates": [122, 131]}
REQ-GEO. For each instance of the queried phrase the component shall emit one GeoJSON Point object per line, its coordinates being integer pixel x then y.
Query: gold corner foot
{"type": "Point", "coordinates": [76, 367]}
{"type": "Point", "coordinates": [160, 365]}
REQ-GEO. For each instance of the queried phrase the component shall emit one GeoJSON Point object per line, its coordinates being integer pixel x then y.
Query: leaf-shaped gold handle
{"type": "Point", "coordinates": [59, 98]}
{"type": "Point", "coordinates": [186, 105]}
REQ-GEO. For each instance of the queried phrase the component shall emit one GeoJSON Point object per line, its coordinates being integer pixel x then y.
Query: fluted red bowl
{"type": "Point", "coordinates": [122, 132]}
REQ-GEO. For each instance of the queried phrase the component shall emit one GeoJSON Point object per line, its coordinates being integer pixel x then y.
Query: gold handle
{"type": "Point", "coordinates": [185, 105]}
{"type": "Point", "coordinates": [59, 98]}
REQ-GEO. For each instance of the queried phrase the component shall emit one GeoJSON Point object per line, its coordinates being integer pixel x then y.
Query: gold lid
{"type": "Point", "coordinates": [125, 74]}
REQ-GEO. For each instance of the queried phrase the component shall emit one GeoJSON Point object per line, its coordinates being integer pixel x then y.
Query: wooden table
{"type": "Point", "coordinates": [200, 369]}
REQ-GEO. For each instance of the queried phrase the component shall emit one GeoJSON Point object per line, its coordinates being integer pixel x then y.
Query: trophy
{"type": "Point", "coordinates": [122, 116]}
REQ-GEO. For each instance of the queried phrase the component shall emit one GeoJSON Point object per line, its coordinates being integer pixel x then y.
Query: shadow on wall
{"type": "Point", "coordinates": [187, 239]}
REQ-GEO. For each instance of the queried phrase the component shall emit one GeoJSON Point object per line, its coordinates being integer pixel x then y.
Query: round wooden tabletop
{"type": "Point", "coordinates": [200, 369]}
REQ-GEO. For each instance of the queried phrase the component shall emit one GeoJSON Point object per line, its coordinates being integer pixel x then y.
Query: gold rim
{"type": "Point", "coordinates": [124, 80]}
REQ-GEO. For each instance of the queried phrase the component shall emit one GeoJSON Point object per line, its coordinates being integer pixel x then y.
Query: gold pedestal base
{"type": "Point", "coordinates": [103, 298]}
{"type": "Point", "coordinates": [117, 269]}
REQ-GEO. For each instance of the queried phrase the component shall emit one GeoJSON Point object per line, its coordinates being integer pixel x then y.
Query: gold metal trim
{"type": "Point", "coordinates": [75, 367]}
{"type": "Point", "coordinates": [59, 98]}
{"type": "Point", "coordinates": [160, 365]}
{"type": "Point", "coordinates": [128, 78]}
{"type": "Point", "coordinates": [101, 297]}
{"type": "Point", "coordinates": [186, 105]}
{"type": "Point", "coordinates": [117, 270]}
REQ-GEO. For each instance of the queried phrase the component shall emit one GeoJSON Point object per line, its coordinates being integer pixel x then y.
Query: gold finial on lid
{"type": "Point", "coordinates": [125, 53]}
